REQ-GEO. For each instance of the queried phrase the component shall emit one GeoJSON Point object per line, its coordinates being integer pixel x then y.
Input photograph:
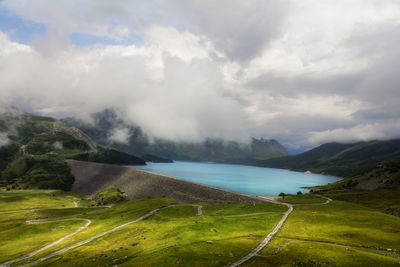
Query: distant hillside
{"type": "Point", "coordinates": [106, 123]}
{"type": "Point", "coordinates": [343, 160]}
{"type": "Point", "coordinates": [33, 150]}
{"type": "Point", "coordinates": [385, 175]}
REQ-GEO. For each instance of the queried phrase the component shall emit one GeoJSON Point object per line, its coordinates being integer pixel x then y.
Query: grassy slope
{"type": "Point", "coordinates": [235, 209]}
{"type": "Point", "coordinates": [335, 234]}
{"type": "Point", "coordinates": [385, 200]}
{"type": "Point", "coordinates": [303, 199]}
{"type": "Point", "coordinates": [174, 234]}
{"type": "Point", "coordinates": [385, 175]}
{"type": "Point", "coordinates": [339, 159]}
{"type": "Point", "coordinates": [382, 181]}
{"type": "Point", "coordinates": [338, 233]}
{"type": "Point", "coordinates": [31, 199]}
{"type": "Point", "coordinates": [21, 238]}
{"type": "Point", "coordinates": [39, 146]}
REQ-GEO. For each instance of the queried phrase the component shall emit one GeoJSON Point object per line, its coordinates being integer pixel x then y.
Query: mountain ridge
{"type": "Point", "coordinates": [34, 149]}
{"type": "Point", "coordinates": [104, 123]}
{"type": "Point", "coordinates": [344, 160]}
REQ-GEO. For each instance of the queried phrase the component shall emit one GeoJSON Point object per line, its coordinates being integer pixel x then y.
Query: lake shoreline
{"type": "Point", "coordinates": [245, 179]}
{"type": "Point", "coordinates": [91, 178]}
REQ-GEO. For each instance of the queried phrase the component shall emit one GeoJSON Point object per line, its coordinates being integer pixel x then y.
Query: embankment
{"type": "Point", "coordinates": [91, 178]}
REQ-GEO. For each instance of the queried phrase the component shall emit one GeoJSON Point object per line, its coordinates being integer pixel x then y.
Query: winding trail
{"type": "Point", "coordinates": [58, 252]}
{"type": "Point", "coordinates": [150, 213]}
{"type": "Point", "coordinates": [59, 219]}
{"type": "Point", "coordinates": [8, 263]}
{"type": "Point", "coordinates": [274, 231]}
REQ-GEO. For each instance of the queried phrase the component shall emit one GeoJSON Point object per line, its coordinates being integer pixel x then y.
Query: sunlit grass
{"type": "Point", "coordinates": [338, 233]}
{"type": "Point", "coordinates": [313, 235]}
{"type": "Point", "coordinates": [30, 199]}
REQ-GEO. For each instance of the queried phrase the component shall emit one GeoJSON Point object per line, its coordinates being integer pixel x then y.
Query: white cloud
{"type": "Point", "coordinates": [3, 139]}
{"type": "Point", "coordinates": [363, 132]}
{"type": "Point", "coordinates": [160, 88]}
{"type": "Point", "coordinates": [119, 135]}
{"type": "Point", "coordinates": [8, 48]}
{"type": "Point", "coordinates": [58, 145]}
{"type": "Point", "coordinates": [299, 71]}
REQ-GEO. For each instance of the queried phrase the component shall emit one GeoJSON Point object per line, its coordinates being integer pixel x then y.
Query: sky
{"type": "Point", "coordinates": [302, 72]}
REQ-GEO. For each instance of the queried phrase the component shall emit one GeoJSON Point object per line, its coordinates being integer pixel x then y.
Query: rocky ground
{"type": "Point", "coordinates": [91, 178]}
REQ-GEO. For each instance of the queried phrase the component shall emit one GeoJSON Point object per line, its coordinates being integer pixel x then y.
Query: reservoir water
{"type": "Point", "coordinates": [240, 178]}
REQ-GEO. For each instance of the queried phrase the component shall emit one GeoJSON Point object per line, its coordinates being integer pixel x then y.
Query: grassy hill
{"type": "Point", "coordinates": [35, 148]}
{"type": "Point", "coordinates": [385, 175]}
{"type": "Point", "coordinates": [343, 160]}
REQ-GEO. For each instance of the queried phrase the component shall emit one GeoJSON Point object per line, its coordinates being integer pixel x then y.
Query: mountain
{"type": "Point", "coordinates": [385, 175]}
{"type": "Point", "coordinates": [33, 150]}
{"type": "Point", "coordinates": [104, 126]}
{"type": "Point", "coordinates": [343, 160]}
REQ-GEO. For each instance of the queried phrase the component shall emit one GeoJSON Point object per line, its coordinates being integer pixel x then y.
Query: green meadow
{"type": "Point", "coordinates": [338, 233]}
{"type": "Point", "coordinates": [29, 199]}
{"type": "Point", "coordinates": [334, 234]}
{"type": "Point", "coordinates": [175, 235]}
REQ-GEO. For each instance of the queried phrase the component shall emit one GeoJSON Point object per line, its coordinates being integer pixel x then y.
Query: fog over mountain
{"type": "Point", "coordinates": [302, 72]}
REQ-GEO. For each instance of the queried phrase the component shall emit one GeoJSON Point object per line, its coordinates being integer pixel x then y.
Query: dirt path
{"type": "Point", "coordinates": [274, 231]}
{"type": "Point", "coordinates": [59, 219]}
{"type": "Point", "coordinates": [268, 237]}
{"type": "Point", "coordinates": [8, 263]}
{"type": "Point", "coordinates": [199, 212]}
{"type": "Point", "coordinates": [58, 252]}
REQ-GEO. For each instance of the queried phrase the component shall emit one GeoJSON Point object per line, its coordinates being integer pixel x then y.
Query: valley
{"type": "Point", "coordinates": [199, 133]}
{"type": "Point", "coordinates": [66, 200]}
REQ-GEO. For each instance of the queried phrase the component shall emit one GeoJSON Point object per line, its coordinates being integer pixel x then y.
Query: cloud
{"type": "Point", "coordinates": [171, 93]}
{"type": "Point", "coordinates": [58, 145]}
{"type": "Point", "coordinates": [301, 72]}
{"type": "Point", "coordinates": [238, 29]}
{"type": "Point", "coordinates": [3, 139]}
{"type": "Point", "coordinates": [119, 135]}
{"type": "Point", "coordinates": [362, 132]}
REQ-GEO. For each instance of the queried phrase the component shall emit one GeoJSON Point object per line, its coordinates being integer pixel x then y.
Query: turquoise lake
{"type": "Point", "coordinates": [240, 178]}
